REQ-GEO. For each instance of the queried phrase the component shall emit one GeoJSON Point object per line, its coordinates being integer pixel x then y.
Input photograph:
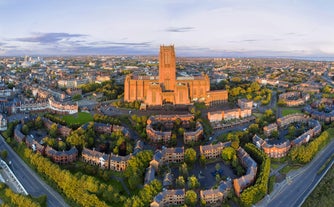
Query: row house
{"type": "Point", "coordinates": [217, 116]}
{"type": "Point", "coordinates": [215, 197]}
{"type": "Point", "coordinates": [18, 135]}
{"type": "Point", "coordinates": [62, 107]}
{"type": "Point", "coordinates": [62, 157]}
{"type": "Point", "coordinates": [50, 105]}
{"type": "Point", "coordinates": [306, 136]}
{"type": "Point", "coordinates": [213, 151]}
{"type": "Point", "coordinates": [94, 157]}
{"type": "Point", "coordinates": [193, 136]}
{"type": "Point", "coordinates": [173, 155]}
{"type": "Point", "coordinates": [270, 129]}
{"type": "Point", "coordinates": [105, 161]}
{"type": "Point", "coordinates": [169, 198]}
{"type": "Point", "coordinates": [157, 136]}
{"type": "Point", "coordinates": [64, 131]}
{"type": "Point", "coordinates": [161, 157]}
{"type": "Point", "coordinates": [119, 163]}
{"type": "Point", "coordinates": [245, 103]}
{"type": "Point", "coordinates": [291, 118]}
{"type": "Point", "coordinates": [149, 174]}
{"type": "Point", "coordinates": [294, 98]}
{"type": "Point", "coordinates": [326, 115]}
{"type": "Point", "coordinates": [250, 165]}
{"type": "Point", "coordinates": [272, 150]}
{"type": "Point", "coordinates": [281, 149]}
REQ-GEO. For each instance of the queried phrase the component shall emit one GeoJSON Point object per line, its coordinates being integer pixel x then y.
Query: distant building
{"type": "Point", "coordinates": [294, 98]}
{"type": "Point", "coordinates": [245, 103]}
{"type": "Point", "coordinates": [217, 116]}
{"type": "Point", "coordinates": [169, 89]}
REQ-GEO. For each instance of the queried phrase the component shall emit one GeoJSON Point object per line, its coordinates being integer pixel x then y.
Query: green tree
{"type": "Point", "coordinates": [253, 128]}
{"type": "Point", "coordinates": [77, 97]}
{"type": "Point", "coordinates": [180, 182]}
{"type": "Point", "coordinates": [38, 122]}
{"type": "Point", "coordinates": [191, 198]}
{"type": "Point", "coordinates": [190, 156]}
{"type": "Point", "coordinates": [25, 129]}
{"type": "Point", "coordinates": [255, 86]}
{"type": "Point", "coordinates": [193, 182]}
{"type": "Point", "coordinates": [235, 142]}
{"type": "Point", "coordinates": [184, 170]}
{"type": "Point", "coordinates": [202, 160]}
{"type": "Point", "coordinates": [292, 130]}
{"type": "Point", "coordinates": [275, 134]}
{"type": "Point", "coordinates": [4, 154]}
{"type": "Point", "coordinates": [203, 202]}
{"type": "Point", "coordinates": [326, 89]}
{"type": "Point", "coordinates": [53, 132]}
{"type": "Point", "coordinates": [228, 153]}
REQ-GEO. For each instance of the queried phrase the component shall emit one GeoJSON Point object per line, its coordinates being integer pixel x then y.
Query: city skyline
{"type": "Point", "coordinates": [212, 28]}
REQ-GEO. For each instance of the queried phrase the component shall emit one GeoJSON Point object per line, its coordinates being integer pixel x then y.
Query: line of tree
{"type": "Point", "coordinates": [305, 153]}
{"type": "Point", "coordinates": [136, 168]}
{"type": "Point", "coordinates": [139, 124]}
{"type": "Point", "coordinates": [106, 119]}
{"type": "Point", "coordinates": [10, 130]}
{"type": "Point", "coordinates": [145, 195]}
{"type": "Point", "coordinates": [55, 119]}
{"type": "Point", "coordinates": [255, 193]}
{"type": "Point", "coordinates": [129, 105]}
{"type": "Point", "coordinates": [83, 190]}
{"type": "Point", "coordinates": [109, 89]}
{"type": "Point", "coordinates": [14, 199]}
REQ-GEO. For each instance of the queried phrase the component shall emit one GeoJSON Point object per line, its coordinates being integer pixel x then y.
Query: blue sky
{"type": "Point", "coordinates": [195, 27]}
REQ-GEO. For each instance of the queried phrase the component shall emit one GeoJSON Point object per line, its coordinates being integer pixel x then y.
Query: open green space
{"type": "Point", "coordinates": [258, 115]}
{"type": "Point", "coordinates": [79, 118]}
{"type": "Point", "coordinates": [275, 165]}
{"type": "Point", "coordinates": [287, 111]}
{"type": "Point", "coordinates": [290, 167]}
{"type": "Point", "coordinates": [323, 193]}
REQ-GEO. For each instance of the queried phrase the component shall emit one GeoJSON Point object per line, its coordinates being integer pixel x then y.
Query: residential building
{"type": "Point", "coordinates": [213, 151]}
{"type": "Point", "coordinates": [169, 198]}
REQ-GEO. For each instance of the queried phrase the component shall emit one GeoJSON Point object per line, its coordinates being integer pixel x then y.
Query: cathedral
{"type": "Point", "coordinates": [167, 88]}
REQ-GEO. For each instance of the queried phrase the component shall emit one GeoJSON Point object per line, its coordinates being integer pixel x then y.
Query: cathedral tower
{"type": "Point", "coordinates": [167, 68]}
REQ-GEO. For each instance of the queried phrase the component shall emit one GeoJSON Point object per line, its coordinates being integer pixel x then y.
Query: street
{"type": "Point", "coordinates": [34, 185]}
{"type": "Point", "coordinates": [293, 191]}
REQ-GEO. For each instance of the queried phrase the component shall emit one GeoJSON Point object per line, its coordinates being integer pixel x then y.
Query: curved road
{"type": "Point", "coordinates": [293, 190]}
{"type": "Point", "coordinates": [34, 185]}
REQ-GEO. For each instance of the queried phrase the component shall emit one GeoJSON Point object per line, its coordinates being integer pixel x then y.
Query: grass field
{"type": "Point", "coordinates": [290, 111]}
{"type": "Point", "coordinates": [258, 115]}
{"type": "Point", "coordinates": [81, 118]}
{"type": "Point", "coordinates": [323, 193]}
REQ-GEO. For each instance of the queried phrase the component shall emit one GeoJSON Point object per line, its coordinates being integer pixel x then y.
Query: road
{"type": "Point", "coordinates": [293, 190]}
{"type": "Point", "coordinates": [34, 185]}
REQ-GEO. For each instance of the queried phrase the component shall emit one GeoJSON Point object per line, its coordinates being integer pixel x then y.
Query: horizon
{"type": "Point", "coordinates": [220, 28]}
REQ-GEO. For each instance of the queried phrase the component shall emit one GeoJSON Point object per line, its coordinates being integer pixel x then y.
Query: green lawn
{"type": "Point", "coordinates": [258, 115]}
{"type": "Point", "coordinates": [288, 168]}
{"type": "Point", "coordinates": [290, 111]}
{"type": "Point", "coordinates": [81, 118]}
